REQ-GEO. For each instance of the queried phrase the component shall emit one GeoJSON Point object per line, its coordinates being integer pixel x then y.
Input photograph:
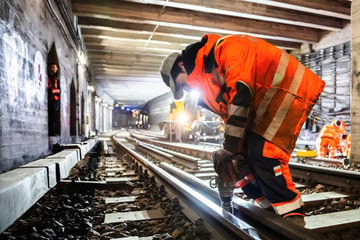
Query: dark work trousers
{"type": "Point", "coordinates": [54, 117]}
{"type": "Point", "coordinates": [269, 181]}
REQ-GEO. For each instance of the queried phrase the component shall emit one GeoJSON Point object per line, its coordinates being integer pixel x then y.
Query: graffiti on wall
{"type": "Point", "coordinates": [25, 77]}
{"type": "Point", "coordinates": [40, 80]}
{"type": "Point", "coordinates": [14, 53]}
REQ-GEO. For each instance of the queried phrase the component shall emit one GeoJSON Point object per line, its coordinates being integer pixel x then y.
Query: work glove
{"type": "Point", "coordinates": [224, 167]}
{"type": "Point", "coordinates": [241, 166]}
{"type": "Point", "coordinates": [227, 165]}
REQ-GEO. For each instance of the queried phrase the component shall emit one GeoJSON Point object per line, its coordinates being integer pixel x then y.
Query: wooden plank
{"type": "Point", "coordinates": [89, 33]}
{"type": "Point", "coordinates": [136, 44]}
{"type": "Point", "coordinates": [129, 57]}
{"type": "Point", "coordinates": [323, 7]}
{"type": "Point", "coordinates": [92, 24]}
{"type": "Point", "coordinates": [114, 169]}
{"type": "Point", "coordinates": [124, 68]}
{"type": "Point", "coordinates": [134, 238]}
{"type": "Point", "coordinates": [110, 165]}
{"type": "Point", "coordinates": [121, 179]}
{"type": "Point", "coordinates": [192, 19]}
{"type": "Point", "coordinates": [120, 199]}
{"type": "Point", "coordinates": [129, 174]}
{"type": "Point", "coordinates": [316, 198]}
{"type": "Point", "coordinates": [123, 64]}
{"type": "Point", "coordinates": [258, 11]}
{"type": "Point", "coordinates": [133, 216]}
{"type": "Point", "coordinates": [333, 221]}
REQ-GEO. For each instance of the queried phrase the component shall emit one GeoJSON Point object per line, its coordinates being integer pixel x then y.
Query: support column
{"type": "Point", "coordinates": [110, 118]}
{"type": "Point", "coordinates": [89, 116]}
{"type": "Point", "coordinates": [104, 117]}
{"type": "Point", "coordinates": [97, 114]}
{"type": "Point", "coordinates": [355, 97]}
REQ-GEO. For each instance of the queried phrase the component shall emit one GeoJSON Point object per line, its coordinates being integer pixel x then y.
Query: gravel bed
{"type": "Point", "coordinates": [68, 213]}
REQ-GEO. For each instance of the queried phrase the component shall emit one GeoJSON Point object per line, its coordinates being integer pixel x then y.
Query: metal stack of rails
{"type": "Point", "coordinates": [333, 65]}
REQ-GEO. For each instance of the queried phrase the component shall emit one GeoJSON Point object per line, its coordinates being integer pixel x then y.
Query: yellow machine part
{"type": "Point", "coordinates": [177, 107]}
{"type": "Point", "coordinates": [306, 153]}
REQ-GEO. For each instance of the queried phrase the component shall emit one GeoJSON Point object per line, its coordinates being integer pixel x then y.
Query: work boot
{"type": "Point", "coordinates": [297, 219]}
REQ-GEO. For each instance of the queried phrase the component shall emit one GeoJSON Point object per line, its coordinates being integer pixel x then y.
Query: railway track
{"type": "Point", "coordinates": [139, 189]}
{"type": "Point", "coordinates": [121, 195]}
{"type": "Point", "coordinates": [331, 196]}
{"type": "Point", "coordinates": [206, 199]}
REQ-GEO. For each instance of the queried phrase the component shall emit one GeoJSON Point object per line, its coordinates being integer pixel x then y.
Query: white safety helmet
{"type": "Point", "coordinates": [340, 124]}
{"type": "Point", "coordinates": [165, 71]}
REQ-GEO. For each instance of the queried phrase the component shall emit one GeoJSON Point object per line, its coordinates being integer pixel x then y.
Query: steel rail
{"type": "Point", "coordinates": [350, 180]}
{"type": "Point", "coordinates": [237, 226]}
{"type": "Point", "coordinates": [193, 160]}
{"type": "Point", "coordinates": [334, 177]}
{"type": "Point", "coordinates": [193, 151]}
{"type": "Point", "coordinates": [344, 162]}
{"type": "Point", "coordinates": [259, 217]}
{"type": "Point", "coordinates": [250, 222]}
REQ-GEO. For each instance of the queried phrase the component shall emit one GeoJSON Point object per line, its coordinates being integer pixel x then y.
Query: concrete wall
{"type": "Point", "coordinates": [27, 32]}
{"type": "Point", "coordinates": [355, 97]}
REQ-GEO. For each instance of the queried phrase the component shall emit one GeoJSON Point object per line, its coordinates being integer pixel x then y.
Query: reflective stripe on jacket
{"type": "Point", "coordinates": [255, 86]}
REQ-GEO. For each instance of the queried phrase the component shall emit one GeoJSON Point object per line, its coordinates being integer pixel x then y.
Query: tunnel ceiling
{"type": "Point", "coordinates": [127, 40]}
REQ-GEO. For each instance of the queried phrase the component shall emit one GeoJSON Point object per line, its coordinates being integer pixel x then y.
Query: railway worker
{"type": "Point", "coordinates": [330, 139]}
{"type": "Point", "coordinates": [264, 95]}
{"type": "Point", "coordinates": [348, 146]}
{"type": "Point", "coordinates": [53, 99]}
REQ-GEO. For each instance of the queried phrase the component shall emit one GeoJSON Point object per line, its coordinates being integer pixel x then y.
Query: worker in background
{"type": "Point", "coordinates": [348, 146]}
{"type": "Point", "coordinates": [264, 96]}
{"type": "Point", "coordinates": [330, 139]}
{"type": "Point", "coordinates": [53, 99]}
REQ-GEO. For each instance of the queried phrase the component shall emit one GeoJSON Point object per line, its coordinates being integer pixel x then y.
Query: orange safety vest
{"type": "Point", "coordinates": [283, 91]}
{"type": "Point", "coordinates": [53, 87]}
{"type": "Point", "coordinates": [330, 131]}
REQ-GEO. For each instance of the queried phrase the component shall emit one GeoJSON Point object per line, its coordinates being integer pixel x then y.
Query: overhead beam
{"type": "Point", "coordinates": [128, 72]}
{"type": "Point", "coordinates": [131, 79]}
{"type": "Point", "coordinates": [332, 8]}
{"type": "Point", "coordinates": [90, 25]}
{"type": "Point", "coordinates": [133, 44]}
{"type": "Point", "coordinates": [189, 19]}
{"type": "Point", "coordinates": [250, 10]}
{"type": "Point", "coordinates": [124, 63]}
{"type": "Point", "coordinates": [131, 58]}
{"type": "Point", "coordinates": [112, 66]}
{"type": "Point", "coordinates": [91, 32]}
{"type": "Point", "coordinates": [96, 49]}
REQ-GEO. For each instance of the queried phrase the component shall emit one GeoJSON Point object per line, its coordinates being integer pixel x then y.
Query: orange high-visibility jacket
{"type": "Point", "coordinates": [329, 140]}
{"type": "Point", "coordinates": [254, 86]}
{"type": "Point", "coordinates": [340, 126]}
{"type": "Point", "coordinates": [330, 131]}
